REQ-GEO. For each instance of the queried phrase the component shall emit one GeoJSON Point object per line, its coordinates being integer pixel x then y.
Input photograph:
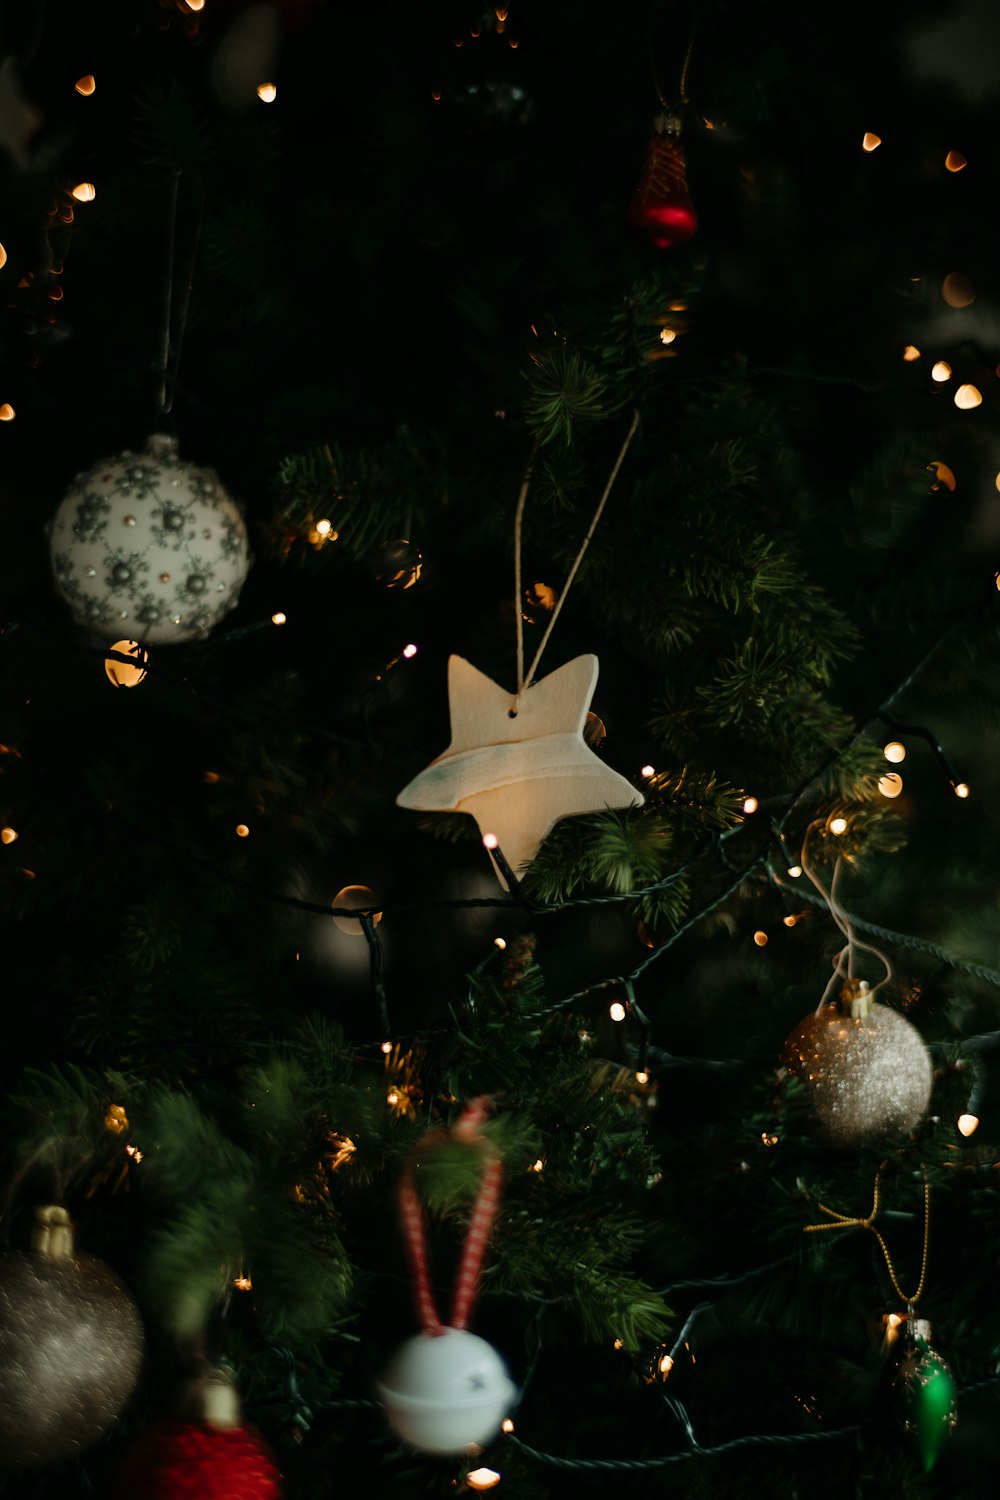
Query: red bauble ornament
{"type": "Point", "coordinates": [193, 1461]}
{"type": "Point", "coordinates": [661, 209]}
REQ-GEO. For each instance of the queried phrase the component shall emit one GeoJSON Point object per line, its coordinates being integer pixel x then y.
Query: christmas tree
{"type": "Point", "coordinates": [499, 654]}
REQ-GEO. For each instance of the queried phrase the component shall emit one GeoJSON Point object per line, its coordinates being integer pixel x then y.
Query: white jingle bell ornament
{"type": "Point", "coordinates": [149, 546]}
{"type": "Point", "coordinates": [445, 1392]}
{"type": "Point", "coordinates": [866, 1067]}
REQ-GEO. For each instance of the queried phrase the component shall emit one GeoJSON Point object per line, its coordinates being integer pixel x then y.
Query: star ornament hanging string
{"type": "Point", "coordinates": [518, 763]}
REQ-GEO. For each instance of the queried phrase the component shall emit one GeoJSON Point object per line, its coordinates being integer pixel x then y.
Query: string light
{"type": "Point", "coordinates": [838, 826]}
{"type": "Point", "coordinates": [957, 290]}
{"type": "Point", "coordinates": [279, 617]}
{"type": "Point", "coordinates": [242, 831]}
{"type": "Point", "coordinates": [789, 921]}
{"type": "Point", "coordinates": [85, 85]}
{"type": "Point", "coordinates": [795, 871]}
{"type": "Point", "coordinates": [242, 1283]}
{"type": "Point", "coordinates": [667, 335]}
{"type": "Point", "coordinates": [968, 1124]}
{"type": "Point", "coordinates": [961, 789]}
{"type": "Point", "coordinates": [910, 353]}
{"type": "Point", "coordinates": [84, 192]}
{"type": "Point", "coordinates": [944, 477]}
{"type": "Point", "coordinates": [506, 1425]}
{"type": "Point", "coordinates": [891, 784]}
{"type": "Point", "coordinates": [894, 752]}
{"type": "Point", "coordinates": [410, 651]}
{"type": "Point", "coordinates": [967, 397]}
{"type": "Point", "coordinates": [649, 771]}
{"type": "Point", "coordinates": [642, 1076]}
{"type": "Point", "coordinates": [616, 1011]}
{"type": "Point", "coordinates": [3, 257]}
{"type": "Point", "coordinates": [7, 835]}
{"type": "Point", "coordinates": [955, 161]}
{"type": "Point", "coordinates": [126, 674]}
{"type": "Point", "coordinates": [387, 1048]}
{"type": "Point", "coordinates": [267, 92]}
{"type": "Point", "coordinates": [750, 805]}
{"type": "Point", "coordinates": [134, 1152]}
{"type": "Point", "coordinates": [894, 1320]}
{"type": "Point", "coordinates": [870, 141]}
{"type": "Point", "coordinates": [490, 841]}
{"type": "Point", "coordinates": [357, 898]}
{"type": "Point", "coordinates": [482, 1479]}
{"type": "Point", "coordinates": [500, 943]}
{"type": "Point", "coordinates": [941, 370]}
{"type": "Point", "coordinates": [538, 1166]}
{"type": "Point", "coordinates": [760, 938]}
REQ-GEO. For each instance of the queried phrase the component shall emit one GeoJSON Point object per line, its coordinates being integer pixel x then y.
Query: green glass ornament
{"type": "Point", "coordinates": [926, 1395]}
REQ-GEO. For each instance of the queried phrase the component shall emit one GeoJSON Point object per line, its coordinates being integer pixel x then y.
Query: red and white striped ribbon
{"type": "Point", "coordinates": [467, 1282]}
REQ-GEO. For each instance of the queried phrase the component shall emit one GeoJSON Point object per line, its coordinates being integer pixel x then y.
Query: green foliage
{"type": "Point", "coordinates": [564, 390]}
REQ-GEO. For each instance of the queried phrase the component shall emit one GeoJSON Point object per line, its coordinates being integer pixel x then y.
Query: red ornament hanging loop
{"type": "Point", "coordinates": [661, 209]}
{"type": "Point", "coordinates": [467, 1282]}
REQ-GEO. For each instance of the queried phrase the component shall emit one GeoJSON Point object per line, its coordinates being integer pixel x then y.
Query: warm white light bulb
{"type": "Point", "coordinates": [490, 840]}
{"type": "Point", "coordinates": [838, 826]}
{"type": "Point", "coordinates": [760, 938]}
{"type": "Point", "coordinates": [910, 353]}
{"type": "Point", "coordinates": [968, 1123]}
{"type": "Point", "coordinates": [616, 1011]}
{"type": "Point", "coordinates": [279, 617]}
{"type": "Point", "coordinates": [648, 771]}
{"type": "Point", "coordinates": [941, 371]}
{"type": "Point", "coordinates": [870, 141]}
{"type": "Point", "coordinates": [961, 789]}
{"type": "Point", "coordinates": [267, 92]}
{"type": "Point", "coordinates": [967, 397]}
{"type": "Point", "coordinates": [795, 871]}
{"type": "Point", "coordinates": [894, 752]}
{"type": "Point", "coordinates": [891, 784]}
{"type": "Point", "coordinates": [750, 805]}
{"type": "Point", "coordinates": [482, 1479]}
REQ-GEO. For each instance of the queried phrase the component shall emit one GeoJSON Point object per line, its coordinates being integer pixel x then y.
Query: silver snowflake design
{"type": "Point", "coordinates": [231, 540]}
{"type": "Point", "coordinates": [203, 483]}
{"type": "Point", "coordinates": [91, 518]}
{"type": "Point", "coordinates": [124, 570]}
{"type": "Point", "coordinates": [150, 610]}
{"type": "Point", "coordinates": [138, 480]}
{"type": "Point", "coordinates": [196, 584]}
{"type": "Point", "coordinates": [171, 525]}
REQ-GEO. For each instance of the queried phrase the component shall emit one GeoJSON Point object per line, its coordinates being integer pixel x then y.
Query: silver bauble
{"type": "Point", "coordinates": [868, 1074]}
{"type": "Point", "coordinates": [148, 546]}
{"type": "Point", "coordinates": [70, 1355]}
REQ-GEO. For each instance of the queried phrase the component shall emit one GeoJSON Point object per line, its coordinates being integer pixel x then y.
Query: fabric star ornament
{"type": "Point", "coordinates": [518, 767]}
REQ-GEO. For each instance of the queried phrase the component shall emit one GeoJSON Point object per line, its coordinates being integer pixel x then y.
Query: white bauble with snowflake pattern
{"type": "Point", "coordinates": [149, 545]}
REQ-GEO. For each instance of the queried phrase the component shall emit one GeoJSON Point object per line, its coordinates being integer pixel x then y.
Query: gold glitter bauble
{"type": "Point", "coordinates": [70, 1355]}
{"type": "Point", "coordinates": [869, 1076]}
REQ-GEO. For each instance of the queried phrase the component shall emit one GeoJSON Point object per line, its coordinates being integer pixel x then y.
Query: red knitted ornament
{"type": "Point", "coordinates": [661, 209]}
{"type": "Point", "coordinates": [192, 1461]}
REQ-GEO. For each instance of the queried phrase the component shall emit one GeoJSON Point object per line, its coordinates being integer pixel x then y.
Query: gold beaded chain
{"type": "Point", "coordinates": [844, 1221]}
